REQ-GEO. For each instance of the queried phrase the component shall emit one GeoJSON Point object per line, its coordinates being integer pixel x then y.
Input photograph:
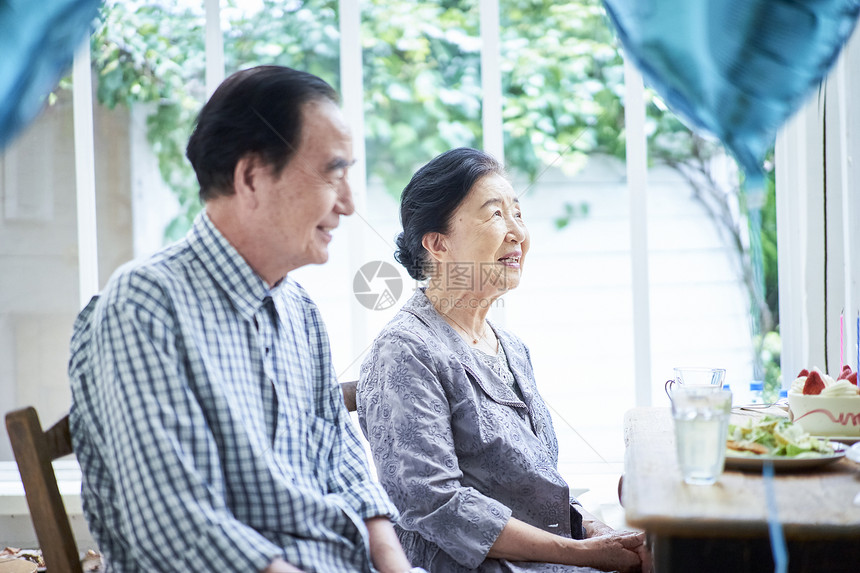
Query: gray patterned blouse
{"type": "Point", "coordinates": [453, 447]}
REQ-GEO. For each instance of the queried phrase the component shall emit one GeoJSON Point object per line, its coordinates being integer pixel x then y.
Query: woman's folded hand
{"type": "Point", "coordinates": [615, 552]}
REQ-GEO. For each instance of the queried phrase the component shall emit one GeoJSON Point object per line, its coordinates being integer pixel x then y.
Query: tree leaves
{"type": "Point", "coordinates": [562, 79]}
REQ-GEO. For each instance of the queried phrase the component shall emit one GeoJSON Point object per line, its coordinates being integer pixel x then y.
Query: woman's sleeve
{"type": "Point", "coordinates": [406, 416]}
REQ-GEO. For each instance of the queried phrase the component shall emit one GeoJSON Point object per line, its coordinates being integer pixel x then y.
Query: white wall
{"type": "Point", "coordinates": [38, 252]}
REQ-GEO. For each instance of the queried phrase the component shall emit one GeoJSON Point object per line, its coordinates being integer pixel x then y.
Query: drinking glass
{"type": "Point", "coordinates": [701, 416]}
{"type": "Point", "coordinates": [707, 377]}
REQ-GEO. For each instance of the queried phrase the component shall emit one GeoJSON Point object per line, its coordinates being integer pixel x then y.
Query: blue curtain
{"type": "Point", "coordinates": [38, 39]}
{"type": "Point", "coordinates": [734, 68]}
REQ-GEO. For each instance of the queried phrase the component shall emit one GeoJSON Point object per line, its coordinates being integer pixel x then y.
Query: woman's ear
{"type": "Point", "coordinates": [435, 244]}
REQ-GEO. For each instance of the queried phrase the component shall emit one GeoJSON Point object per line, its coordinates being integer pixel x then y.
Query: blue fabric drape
{"type": "Point", "coordinates": [734, 68]}
{"type": "Point", "coordinates": [37, 43]}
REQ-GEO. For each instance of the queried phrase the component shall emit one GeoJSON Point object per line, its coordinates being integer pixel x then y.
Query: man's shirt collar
{"type": "Point", "coordinates": [245, 289]}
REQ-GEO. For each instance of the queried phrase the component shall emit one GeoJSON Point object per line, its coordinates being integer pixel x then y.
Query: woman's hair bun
{"type": "Point", "coordinates": [412, 261]}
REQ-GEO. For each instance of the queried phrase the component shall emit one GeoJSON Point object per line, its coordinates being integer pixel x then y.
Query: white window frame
{"type": "Point", "coordinates": [637, 189]}
{"type": "Point", "coordinates": [814, 224]}
{"type": "Point", "coordinates": [818, 224]}
{"type": "Point", "coordinates": [85, 174]}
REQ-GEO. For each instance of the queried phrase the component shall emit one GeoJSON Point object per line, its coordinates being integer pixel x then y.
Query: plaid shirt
{"type": "Point", "coordinates": [209, 426]}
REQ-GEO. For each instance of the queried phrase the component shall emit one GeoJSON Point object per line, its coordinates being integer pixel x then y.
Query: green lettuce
{"type": "Point", "coordinates": [780, 436]}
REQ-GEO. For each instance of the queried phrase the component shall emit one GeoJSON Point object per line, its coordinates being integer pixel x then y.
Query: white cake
{"type": "Point", "coordinates": [835, 412]}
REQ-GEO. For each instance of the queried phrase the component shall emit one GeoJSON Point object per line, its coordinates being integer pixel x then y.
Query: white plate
{"type": "Point", "coordinates": [843, 439]}
{"type": "Point", "coordinates": [785, 464]}
{"type": "Point", "coordinates": [853, 453]}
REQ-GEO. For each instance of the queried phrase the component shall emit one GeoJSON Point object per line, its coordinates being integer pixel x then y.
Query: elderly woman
{"type": "Point", "coordinates": [462, 441]}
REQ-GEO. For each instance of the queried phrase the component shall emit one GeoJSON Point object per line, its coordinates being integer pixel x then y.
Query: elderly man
{"type": "Point", "coordinates": [206, 417]}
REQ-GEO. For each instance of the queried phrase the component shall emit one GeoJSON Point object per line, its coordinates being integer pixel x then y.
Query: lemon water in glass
{"type": "Point", "coordinates": [701, 418]}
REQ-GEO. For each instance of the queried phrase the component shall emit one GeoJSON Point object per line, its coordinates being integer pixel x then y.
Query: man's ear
{"type": "Point", "coordinates": [247, 178]}
{"type": "Point", "coordinates": [435, 245]}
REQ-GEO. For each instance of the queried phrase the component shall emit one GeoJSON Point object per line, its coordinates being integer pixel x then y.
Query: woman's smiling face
{"type": "Point", "coordinates": [487, 240]}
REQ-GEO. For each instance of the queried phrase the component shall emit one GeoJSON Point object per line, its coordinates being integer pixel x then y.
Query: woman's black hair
{"type": "Point", "coordinates": [432, 196]}
{"type": "Point", "coordinates": [258, 110]}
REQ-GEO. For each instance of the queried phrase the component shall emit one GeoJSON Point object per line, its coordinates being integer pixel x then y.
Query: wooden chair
{"type": "Point", "coordinates": [348, 389]}
{"type": "Point", "coordinates": [34, 451]}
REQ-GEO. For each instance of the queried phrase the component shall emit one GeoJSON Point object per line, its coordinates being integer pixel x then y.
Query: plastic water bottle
{"type": "Point", "coordinates": [755, 392]}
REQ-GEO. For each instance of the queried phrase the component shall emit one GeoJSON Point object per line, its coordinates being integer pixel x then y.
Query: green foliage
{"type": "Point", "coordinates": [561, 79]}
{"type": "Point", "coordinates": [144, 58]}
{"type": "Point", "coordinates": [771, 346]}
{"type": "Point", "coordinates": [770, 350]}
{"type": "Point", "coordinates": [422, 84]}
{"type": "Point", "coordinates": [562, 84]}
{"type": "Point", "coordinates": [301, 35]}
{"type": "Point", "coordinates": [764, 291]}
{"type": "Point", "coordinates": [572, 211]}
{"type": "Point", "coordinates": [768, 243]}
{"type": "Point", "coordinates": [154, 55]}
{"type": "Point", "coordinates": [561, 72]}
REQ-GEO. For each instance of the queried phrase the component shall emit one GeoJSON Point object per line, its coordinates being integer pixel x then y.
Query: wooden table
{"type": "Point", "coordinates": [723, 527]}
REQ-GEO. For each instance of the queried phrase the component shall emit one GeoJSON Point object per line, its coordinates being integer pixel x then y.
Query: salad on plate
{"type": "Point", "coordinates": [774, 437]}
